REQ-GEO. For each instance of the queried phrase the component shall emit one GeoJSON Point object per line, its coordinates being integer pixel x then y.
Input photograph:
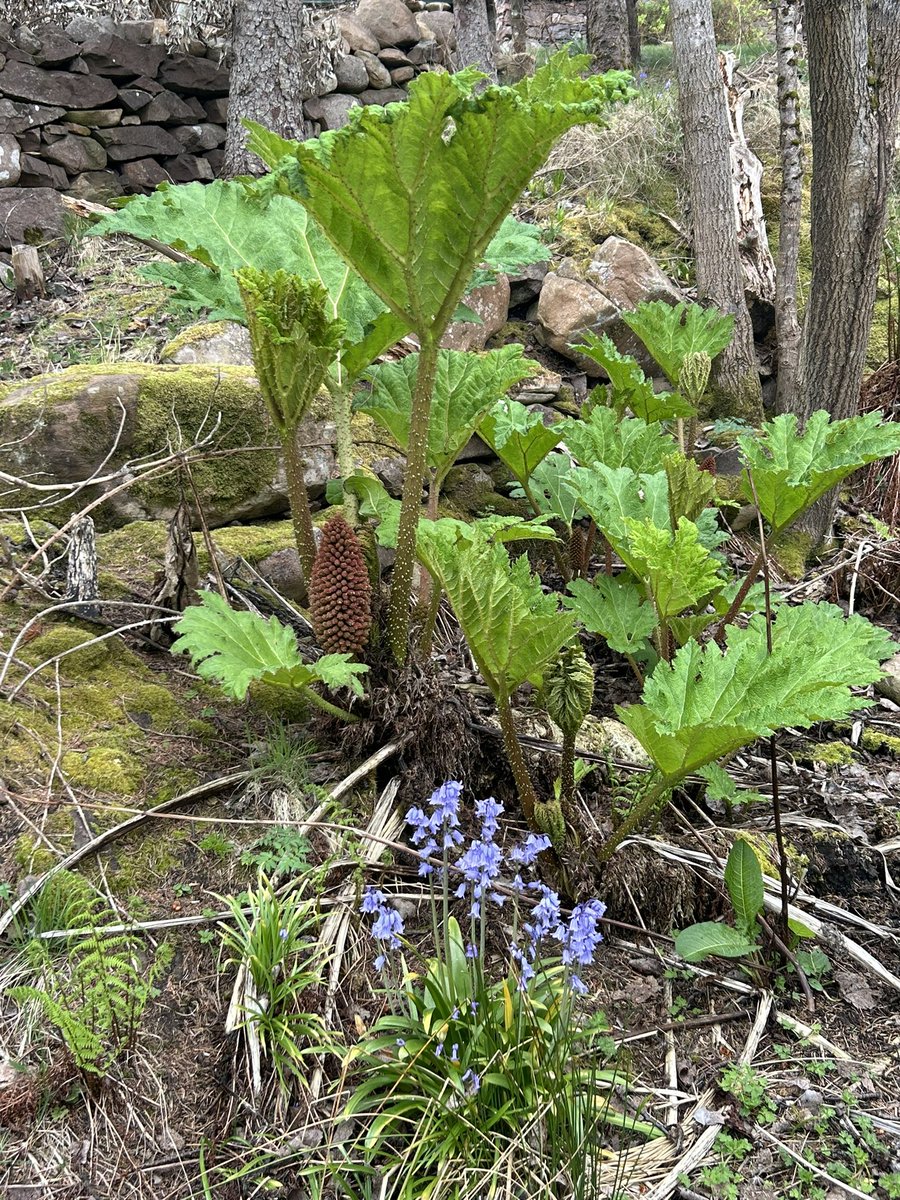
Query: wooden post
{"type": "Point", "coordinates": [28, 274]}
{"type": "Point", "coordinates": [81, 574]}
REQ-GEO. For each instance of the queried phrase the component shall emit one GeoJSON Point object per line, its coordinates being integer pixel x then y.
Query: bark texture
{"type": "Point", "coordinates": [746, 177]}
{"type": "Point", "coordinates": [634, 33]}
{"type": "Point", "coordinates": [282, 56]}
{"type": "Point", "coordinates": [720, 281]}
{"type": "Point", "coordinates": [608, 37]}
{"type": "Point", "coordinates": [787, 320]}
{"type": "Point", "coordinates": [475, 39]}
{"type": "Point", "coordinates": [854, 76]}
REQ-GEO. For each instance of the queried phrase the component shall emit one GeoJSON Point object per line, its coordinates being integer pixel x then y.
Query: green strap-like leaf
{"type": "Point", "coordinates": [744, 880]}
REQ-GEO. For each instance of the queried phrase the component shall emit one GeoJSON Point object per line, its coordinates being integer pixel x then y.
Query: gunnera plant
{"type": "Point", "coordinates": [340, 594]}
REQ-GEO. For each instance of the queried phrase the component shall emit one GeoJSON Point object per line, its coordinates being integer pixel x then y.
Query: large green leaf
{"type": "Point", "coordinates": [631, 389]}
{"type": "Point", "coordinates": [466, 386]}
{"type": "Point", "coordinates": [554, 488]}
{"type": "Point", "coordinates": [515, 245]}
{"type": "Point", "coordinates": [711, 701]}
{"type": "Point", "coordinates": [375, 504]}
{"type": "Point", "coordinates": [412, 194]}
{"type": "Point", "coordinates": [629, 442]}
{"type": "Point", "coordinates": [512, 628]}
{"type": "Point", "coordinates": [690, 489]}
{"type": "Point", "coordinates": [791, 470]}
{"type": "Point", "coordinates": [228, 224]}
{"type": "Point", "coordinates": [712, 937]}
{"type": "Point", "coordinates": [744, 880]}
{"type": "Point", "coordinates": [239, 648]}
{"type": "Point", "coordinates": [672, 332]}
{"type": "Point", "coordinates": [678, 569]}
{"type": "Point", "coordinates": [615, 608]}
{"type": "Point", "coordinates": [519, 437]}
{"type": "Point", "coordinates": [614, 496]}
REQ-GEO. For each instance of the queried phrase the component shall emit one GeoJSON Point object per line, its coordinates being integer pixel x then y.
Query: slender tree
{"type": "Point", "coordinates": [608, 36]}
{"type": "Point", "coordinates": [787, 320]}
{"type": "Point", "coordinates": [720, 280]}
{"type": "Point", "coordinates": [854, 78]}
{"type": "Point", "coordinates": [634, 32]}
{"type": "Point", "coordinates": [475, 36]}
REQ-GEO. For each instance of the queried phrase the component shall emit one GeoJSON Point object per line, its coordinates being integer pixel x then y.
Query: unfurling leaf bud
{"type": "Point", "coordinates": [568, 689]}
{"type": "Point", "coordinates": [340, 597]}
{"type": "Point", "coordinates": [694, 376]}
{"type": "Point", "coordinates": [548, 816]}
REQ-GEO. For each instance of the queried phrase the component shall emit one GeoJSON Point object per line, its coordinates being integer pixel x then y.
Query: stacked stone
{"type": "Point", "coordinates": [386, 43]}
{"type": "Point", "coordinates": [103, 108]}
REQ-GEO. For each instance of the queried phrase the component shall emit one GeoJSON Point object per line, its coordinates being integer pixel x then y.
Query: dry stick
{"type": "Point", "coordinates": [207, 536]}
{"type": "Point", "coordinates": [833, 1182]}
{"type": "Point", "coordinates": [71, 860]}
{"type": "Point", "coordinates": [89, 211]}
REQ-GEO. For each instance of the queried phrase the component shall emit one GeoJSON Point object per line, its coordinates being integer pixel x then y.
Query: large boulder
{"type": "Point", "coordinates": [491, 302]}
{"type": "Point", "coordinates": [356, 35]}
{"type": "Point", "coordinates": [76, 154]}
{"type": "Point", "coordinates": [10, 161]}
{"type": "Point", "coordinates": [332, 112]}
{"type": "Point", "coordinates": [573, 301]}
{"type": "Point", "coordinates": [390, 21]}
{"type": "Point", "coordinates": [27, 213]}
{"type": "Point", "coordinates": [17, 117]}
{"type": "Point", "coordinates": [223, 342]}
{"type": "Point", "coordinates": [61, 427]}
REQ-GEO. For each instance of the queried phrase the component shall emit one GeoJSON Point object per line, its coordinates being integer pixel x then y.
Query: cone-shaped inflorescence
{"type": "Point", "coordinates": [340, 595]}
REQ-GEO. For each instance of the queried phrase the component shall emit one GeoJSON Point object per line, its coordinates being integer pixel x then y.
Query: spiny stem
{"type": "Point", "coordinates": [299, 498]}
{"type": "Point", "coordinates": [343, 412]}
{"type": "Point", "coordinates": [401, 585]}
{"type": "Point", "coordinates": [524, 786]}
{"type": "Point", "coordinates": [735, 607]}
{"type": "Point", "coordinates": [326, 706]}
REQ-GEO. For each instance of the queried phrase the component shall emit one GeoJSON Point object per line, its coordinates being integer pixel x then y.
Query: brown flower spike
{"type": "Point", "coordinates": [340, 596]}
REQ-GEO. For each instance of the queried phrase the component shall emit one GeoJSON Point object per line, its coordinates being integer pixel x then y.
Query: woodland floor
{"type": "Point", "coordinates": [821, 1093]}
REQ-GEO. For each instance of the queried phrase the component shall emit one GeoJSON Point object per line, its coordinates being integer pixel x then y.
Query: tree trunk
{"type": "Point", "coordinates": [854, 76]}
{"type": "Point", "coordinates": [608, 37]}
{"type": "Point", "coordinates": [787, 320]}
{"type": "Point", "coordinates": [746, 177]}
{"type": "Point", "coordinates": [720, 280]}
{"type": "Point", "coordinates": [282, 56]}
{"type": "Point", "coordinates": [634, 33]}
{"type": "Point", "coordinates": [475, 37]}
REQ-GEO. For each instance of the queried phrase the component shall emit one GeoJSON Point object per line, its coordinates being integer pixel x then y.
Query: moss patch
{"type": "Point", "coordinates": [886, 743]}
{"type": "Point", "coordinates": [792, 550]}
{"type": "Point", "coordinates": [829, 754]}
{"type": "Point", "coordinates": [192, 334]}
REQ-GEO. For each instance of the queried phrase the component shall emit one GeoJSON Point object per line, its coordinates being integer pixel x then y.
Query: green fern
{"type": "Point", "coordinates": [98, 1001]}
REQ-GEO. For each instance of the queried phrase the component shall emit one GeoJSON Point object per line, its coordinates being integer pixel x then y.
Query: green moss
{"type": "Point", "coordinates": [252, 542]}
{"type": "Point", "coordinates": [875, 740]}
{"type": "Point", "coordinates": [469, 492]}
{"type": "Point", "coordinates": [830, 754]}
{"type": "Point", "coordinates": [32, 856]}
{"type": "Point", "coordinates": [65, 638]}
{"type": "Point", "coordinates": [190, 335]}
{"type": "Point", "coordinates": [103, 769]}
{"type": "Point", "coordinates": [15, 532]}
{"type": "Point", "coordinates": [792, 550]}
{"type": "Point", "coordinates": [144, 858]}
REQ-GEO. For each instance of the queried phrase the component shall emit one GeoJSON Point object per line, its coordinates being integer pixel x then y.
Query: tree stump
{"type": "Point", "coordinates": [28, 274]}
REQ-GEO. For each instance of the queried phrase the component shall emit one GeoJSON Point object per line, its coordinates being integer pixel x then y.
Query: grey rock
{"type": "Point", "coordinates": [889, 686]}
{"type": "Point", "coordinates": [390, 21]}
{"type": "Point", "coordinates": [55, 87]}
{"type": "Point", "coordinates": [392, 57]}
{"type": "Point", "coordinates": [440, 26]}
{"type": "Point", "coordinates": [80, 29]}
{"type": "Point", "coordinates": [17, 117]}
{"type": "Point", "coordinates": [226, 343]}
{"type": "Point", "coordinates": [165, 108]}
{"type": "Point", "coordinates": [97, 186]}
{"type": "Point", "coordinates": [189, 168]}
{"type": "Point", "coordinates": [216, 160]}
{"type": "Point", "coordinates": [389, 95]}
{"type": "Point", "coordinates": [379, 75]}
{"type": "Point", "coordinates": [77, 154]}
{"type": "Point", "coordinates": [351, 74]}
{"type": "Point", "coordinates": [332, 112]}
{"type": "Point", "coordinates": [526, 285]}
{"type": "Point", "coordinates": [108, 54]}
{"type": "Point", "coordinates": [424, 52]}
{"type": "Point", "coordinates": [216, 110]}
{"type": "Point", "coordinates": [96, 118]}
{"type": "Point", "coordinates": [134, 99]}
{"type": "Point", "coordinates": [25, 211]}
{"type": "Point", "coordinates": [55, 47]}
{"type": "Point", "coordinates": [491, 302]}
{"type": "Point", "coordinates": [199, 76]}
{"type": "Point", "coordinates": [24, 39]}
{"type": "Point", "coordinates": [356, 34]}
{"type": "Point", "coordinates": [282, 570]}
{"type": "Point", "coordinates": [37, 173]}
{"type": "Point", "coordinates": [628, 275]}
{"type": "Point", "coordinates": [143, 175]}
{"type": "Point", "coordinates": [196, 138]}
{"type": "Point", "coordinates": [137, 141]}
{"type": "Point", "coordinates": [401, 75]}
{"type": "Point", "coordinates": [10, 161]}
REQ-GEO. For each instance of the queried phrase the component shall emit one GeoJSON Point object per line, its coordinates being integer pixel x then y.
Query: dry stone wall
{"type": "Point", "coordinates": [102, 108]}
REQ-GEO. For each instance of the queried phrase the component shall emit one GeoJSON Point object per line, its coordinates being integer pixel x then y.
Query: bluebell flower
{"type": "Point", "coordinates": [577, 984]}
{"type": "Point", "coordinates": [487, 812]}
{"type": "Point", "coordinates": [472, 1081]}
{"type": "Point", "coordinates": [445, 804]}
{"type": "Point", "coordinates": [480, 866]}
{"type": "Point", "coordinates": [454, 1052]}
{"type": "Point", "coordinates": [283, 934]}
{"type": "Point", "coordinates": [388, 924]}
{"type": "Point", "coordinates": [533, 845]}
{"type": "Point", "coordinates": [421, 825]}
{"type": "Point", "coordinates": [581, 936]}
{"type": "Point", "coordinates": [380, 961]}
{"type": "Point", "coordinates": [545, 917]}
{"type": "Point", "coordinates": [643, 75]}
{"type": "Point", "coordinates": [439, 1050]}
{"type": "Point", "coordinates": [471, 950]}
{"type": "Point", "coordinates": [401, 1041]}
{"type": "Point", "coordinates": [372, 900]}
